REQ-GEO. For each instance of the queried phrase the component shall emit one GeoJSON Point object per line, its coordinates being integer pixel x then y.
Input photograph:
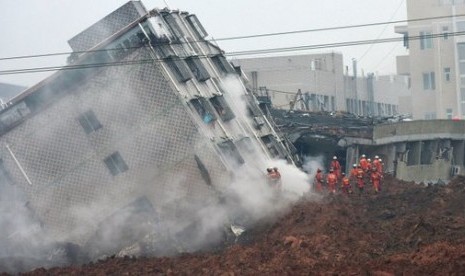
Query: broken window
{"type": "Point", "coordinates": [173, 25]}
{"type": "Point", "coordinates": [115, 163]}
{"type": "Point", "coordinates": [270, 143]}
{"type": "Point", "coordinates": [230, 151]}
{"type": "Point", "coordinates": [197, 68]}
{"type": "Point", "coordinates": [222, 108]}
{"type": "Point", "coordinates": [89, 121]}
{"type": "Point", "coordinates": [204, 110]}
{"type": "Point", "coordinates": [195, 24]}
{"type": "Point", "coordinates": [179, 68]}
{"type": "Point", "coordinates": [222, 64]}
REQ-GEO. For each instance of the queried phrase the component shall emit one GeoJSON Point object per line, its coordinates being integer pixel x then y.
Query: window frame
{"type": "Point", "coordinates": [89, 121]}
{"type": "Point", "coordinates": [115, 163]}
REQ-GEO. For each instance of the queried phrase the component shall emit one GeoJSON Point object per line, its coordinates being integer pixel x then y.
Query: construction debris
{"type": "Point", "coordinates": [409, 229]}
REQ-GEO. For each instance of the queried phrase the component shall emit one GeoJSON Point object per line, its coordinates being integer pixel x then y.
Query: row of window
{"type": "Point", "coordinates": [429, 79]}
{"type": "Point", "coordinates": [366, 108]}
{"type": "Point", "coordinates": [90, 123]}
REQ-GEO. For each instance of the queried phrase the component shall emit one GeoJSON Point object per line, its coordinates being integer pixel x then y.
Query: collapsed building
{"type": "Point", "coordinates": [148, 117]}
{"type": "Point", "coordinates": [428, 151]}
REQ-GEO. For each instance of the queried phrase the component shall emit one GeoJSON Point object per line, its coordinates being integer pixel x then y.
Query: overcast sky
{"type": "Point", "coordinates": [44, 26]}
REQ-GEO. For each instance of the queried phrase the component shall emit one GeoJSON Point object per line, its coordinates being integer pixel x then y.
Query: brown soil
{"type": "Point", "coordinates": [407, 229]}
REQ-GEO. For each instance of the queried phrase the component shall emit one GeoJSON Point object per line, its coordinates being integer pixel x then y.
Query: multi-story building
{"type": "Point", "coordinates": [435, 62]}
{"type": "Point", "coordinates": [147, 110]}
{"type": "Point", "coordinates": [324, 85]}
{"type": "Point", "coordinates": [8, 91]}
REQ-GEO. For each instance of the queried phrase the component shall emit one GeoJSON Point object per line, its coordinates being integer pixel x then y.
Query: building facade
{"type": "Point", "coordinates": [324, 85]}
{"type": "Point", "coordinates": [146, 109]}
{"type": "Point", "coordinates": [435, 62]}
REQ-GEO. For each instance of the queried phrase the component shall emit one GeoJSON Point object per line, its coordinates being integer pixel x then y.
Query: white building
{"type": "Point", "coordinates": [436, 59]}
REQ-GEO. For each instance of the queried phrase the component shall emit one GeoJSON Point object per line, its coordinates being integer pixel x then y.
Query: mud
{"type": "Point", "coordinates": [407, 229]}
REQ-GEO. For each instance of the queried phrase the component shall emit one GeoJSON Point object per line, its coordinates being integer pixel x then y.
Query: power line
{"type": "Point", "coordinates": [381, 33]}
{"type": "Point", "coordinates": [340, 27]}
{"type": "Point", "coordinates": [249, 52]}
{"type": "Point", "coordinates": [249, 36]}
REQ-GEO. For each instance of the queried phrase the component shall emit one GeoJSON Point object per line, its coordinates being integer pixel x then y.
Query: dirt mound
{"type": "Point", "coordinates": [408, 228]}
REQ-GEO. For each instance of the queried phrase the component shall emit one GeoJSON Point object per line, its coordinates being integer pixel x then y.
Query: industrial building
{"type": "Point", "coordinates": [321, 82]}
{"type": "Point", "coordinates": [148, 114]}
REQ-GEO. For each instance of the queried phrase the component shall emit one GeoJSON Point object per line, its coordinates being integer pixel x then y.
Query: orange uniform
{"type": "Point", "coordinates": [346, 188]}
{"type": "Point", "coordinates": [331, 179]}
{"type": "Point", "coordinates": [318, 181]}
{"type": "Point", "coordinates": [375, 177]}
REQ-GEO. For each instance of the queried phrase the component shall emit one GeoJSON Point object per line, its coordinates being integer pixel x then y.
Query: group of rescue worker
{"type": "Point", "coordinates": [361, 174]}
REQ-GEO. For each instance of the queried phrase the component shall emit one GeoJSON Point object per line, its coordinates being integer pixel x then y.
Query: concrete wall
{"type": "Point", "coordinates": [143, 119]}
{"type": "Point", "coordinates": [439, 170]}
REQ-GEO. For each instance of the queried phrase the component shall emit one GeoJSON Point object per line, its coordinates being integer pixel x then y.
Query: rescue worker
{"type": "Point", "coordinates": [346, 187]}
{"type": "Point", "coordinates": [271, 176]}
{"type": "Point", "coordinates": [353, 174]}
{"type": "Point", "coordinates": [336, 166]}
{"type": "Point", "coordinates": [277, 178]}
{"type": "Point", "coordinates": [360, 180]}
{"type": "Point", "coordinates": [363, 163]}
{"type": "Point", "coordinates": [375, 179]}
{"type": "Point", "coordinates": [318, 181]}
{"type": "Point", "coordinates": [331, 180]}
{"type": "Point", "coordinates": [376, 162]}
{"type": "Point", "coordinates": [379, 168]}
{"type": "Point", "coordinates": [369, 165]}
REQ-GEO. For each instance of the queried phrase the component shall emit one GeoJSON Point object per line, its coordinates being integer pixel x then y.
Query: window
{"type": "Point", "coordinates": [5, 177]}
{"type": "Point", "coordinates": [406, 41]}
{"type": "Point", "coordinates": [430, 116]}
{"type": "Point", "coordinates": [222, 108]}
{"type": "Point", "coordinates": [195, 24]}
{"type": "Point", "coordinates": [449, 113]}
{"type": "Point", "coordinates": [222, 64]}
{"type": "Point", "coordinates": [429, 81]}
{"type": "Point", "coordinates": [445, 32]}
{"type": "Point", "coordinates": [173, 25]}
{"type": "Point", "coordinates": [204, 110]}
{"type": "Point", "coordinates": [447, 73]}
{"type": "Point", "coordinates": [89, 121]}
{"type": "Point", "coordinates": [115, 163]}
{"type": "Point", "coordinates": [426, 42]}
{"type": "Point", "coordinates": [179, 68]}
{"type": "Point", "coordinates": [197, 68]}
{"type": "Point", "coordinates": [229, 149]}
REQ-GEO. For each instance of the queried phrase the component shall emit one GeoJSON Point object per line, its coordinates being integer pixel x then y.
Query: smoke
{"type": "Point", "coordinates": [247, 200]}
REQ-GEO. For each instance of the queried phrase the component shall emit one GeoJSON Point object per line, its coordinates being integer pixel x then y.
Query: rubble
{"type": "Point", "coordinates": [407, 229]}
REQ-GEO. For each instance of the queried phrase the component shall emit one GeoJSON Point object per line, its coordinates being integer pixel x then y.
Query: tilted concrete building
{"type": "Point", "coordinates": [147, 110]}
{"type": "Point", "coordinates": [435, 63]}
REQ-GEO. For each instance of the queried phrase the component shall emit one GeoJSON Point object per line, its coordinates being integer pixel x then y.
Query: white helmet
{"type": "Point", "coordinates": [334, 157]}
{"type": "Point", "coordinates": [369, 160]}
{"type": "Point", "coordinates": [363, 155]}
{"type": "Point", "coordinates": [380, 160]}
{"type": "Point", "coordinates": [376, 157]}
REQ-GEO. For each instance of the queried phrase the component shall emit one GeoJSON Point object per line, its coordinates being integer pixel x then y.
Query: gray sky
{"type": "Point", "coordinates": [45, 26]}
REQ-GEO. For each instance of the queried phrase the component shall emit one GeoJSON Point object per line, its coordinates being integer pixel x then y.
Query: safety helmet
{"type": "Point", "coordinates": [363, 155]}
{"type": "Point", "coordinates": [269, 169]}
{"type": "Point", "coordinates": [354, 165]}
{"type": "Point", "coordinates": [343, 173]}
{"type": "Point", "coordinates": [380, 160]}
{"type": "Point", "coordinates": [275, 168]}
{"type": "Point", "coordinates": [369, 160]}
{"type": "Point", "coordinates": [334, 157]}
{"type": "Point", "coordinates": [376, 157]}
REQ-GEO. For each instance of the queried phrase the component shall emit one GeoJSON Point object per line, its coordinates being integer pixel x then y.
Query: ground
{"type": "Point", "coordinates": [407, 229]}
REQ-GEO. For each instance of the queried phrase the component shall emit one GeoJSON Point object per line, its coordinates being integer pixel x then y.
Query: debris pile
{"type": "Point", "coordinates": [408, 228]}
